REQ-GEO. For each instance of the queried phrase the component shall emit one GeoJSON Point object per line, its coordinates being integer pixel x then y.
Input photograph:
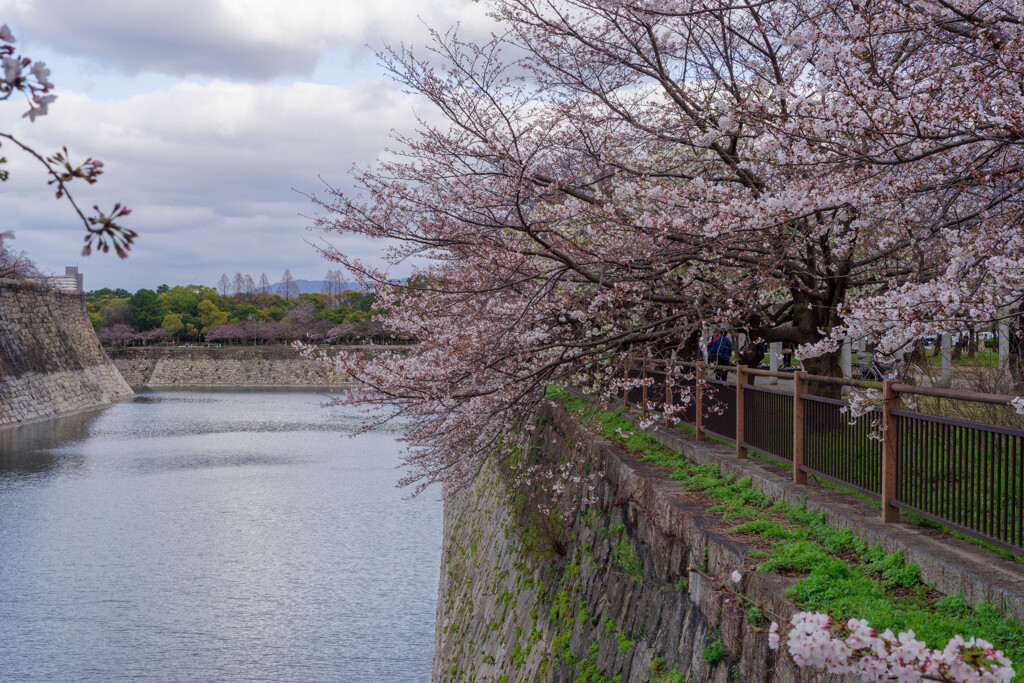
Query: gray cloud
{"type": "Point", "coordinates": [209, 172]}
{"type": "Point", "coordinates": [237, 39]}
{"type": "Point", "coordinates": [208, 168]}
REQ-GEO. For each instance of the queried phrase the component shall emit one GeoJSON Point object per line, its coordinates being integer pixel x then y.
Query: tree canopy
{"type": "Point", "coordinates": [797, 171]}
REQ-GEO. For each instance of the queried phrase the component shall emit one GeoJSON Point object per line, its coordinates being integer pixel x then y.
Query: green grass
{"type": "Point", "coordinates": [715, 652]}
{"type": "Point", "coordinates": [845, 578]}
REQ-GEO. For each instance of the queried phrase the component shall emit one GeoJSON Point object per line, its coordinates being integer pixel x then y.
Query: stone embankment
{"type": "Point", "coordinates": [51, 363]}
{"type": "Point", "coordinates": [251, 366]}
{"type": "Point", "coordinates": [616, 600]}
{"type": "Point", "coordinates": [619, 591]}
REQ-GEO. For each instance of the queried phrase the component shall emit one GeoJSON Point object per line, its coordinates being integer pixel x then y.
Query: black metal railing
{"type": "Point", "coordinates": [841, 450]}
{"type": "Point", "coordinates": [966, 475]}
{"type": "Point", "coordinates": [768, 422]}
{"type": "Point", "coordinates": [719, 402]}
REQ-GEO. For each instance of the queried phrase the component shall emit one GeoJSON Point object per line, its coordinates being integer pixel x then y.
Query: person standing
{"type": "Point", "coordinates": [720, 353]}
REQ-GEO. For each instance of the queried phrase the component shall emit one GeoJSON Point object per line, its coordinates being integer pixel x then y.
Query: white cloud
{"type": "Point", "coordinates": [240, 39]}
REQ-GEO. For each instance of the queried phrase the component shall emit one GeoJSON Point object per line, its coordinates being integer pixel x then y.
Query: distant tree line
{"type": "Point", "coordinates": [240, 310]}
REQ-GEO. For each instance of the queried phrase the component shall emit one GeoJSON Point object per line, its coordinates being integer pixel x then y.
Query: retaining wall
{"type": "Point", "coordinates": [251, 366]}
{"type": "Point", "coordinates": [619, 601]}
{"type": "Point", "coordinates": [51, 363]}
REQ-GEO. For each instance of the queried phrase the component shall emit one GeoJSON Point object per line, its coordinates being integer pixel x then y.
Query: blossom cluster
{"type": "Point", "coordinates": [830, 170]}
{"type": "Point", "coordinates": [32, 78]}
{"type": "Point", "coordinates": [815, 640]}
{"type": "Point", "coordinates": [22, 74]}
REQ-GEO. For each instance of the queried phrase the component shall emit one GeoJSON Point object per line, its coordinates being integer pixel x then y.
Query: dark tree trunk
{"type": "Point", "coordinates": [827, 365]}
{"type": "Point", "coordinates": [691, 350]}
{"type": "Point", "coordinates": [751, 354]}
{"type": "Point", "coordinates": [917, 352]}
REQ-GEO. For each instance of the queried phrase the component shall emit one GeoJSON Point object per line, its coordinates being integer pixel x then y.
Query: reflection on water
{"type": "Point", "coordinates": [189, 536]}
{"type": "Point", "coordinates": [31, 448]}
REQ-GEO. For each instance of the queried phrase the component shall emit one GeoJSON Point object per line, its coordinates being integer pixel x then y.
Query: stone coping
{"type": "Point", "coordinates": [38, 286]}
{"type": "Point", "coordinates": [952, 565]}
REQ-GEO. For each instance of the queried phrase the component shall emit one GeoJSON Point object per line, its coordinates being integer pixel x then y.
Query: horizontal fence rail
{"type": "Point", "coordinates": [965, 475]}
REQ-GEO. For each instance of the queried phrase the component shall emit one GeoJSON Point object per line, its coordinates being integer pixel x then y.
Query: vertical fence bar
{"type": "Point", "coordinates": [741, 378]}
{"type": "Point", "coordinates": [799, 387]}
{"type": "Point", "coordinates": [890, 451]}
{"type": "Point", "coordinates": [699, 422]}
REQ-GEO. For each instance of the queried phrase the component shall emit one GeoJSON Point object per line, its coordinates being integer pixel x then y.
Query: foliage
{"type": "Point", "coordinates": [715, 652]}
{"type": "Point", "coordinates": [194, 312]}
{"type": "Point", "coordinates": [797, 171]}
{"type": "Point", "coordinates": [147, 309]}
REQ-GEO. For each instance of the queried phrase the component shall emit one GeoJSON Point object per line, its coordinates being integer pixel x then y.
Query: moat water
{"type": "Point", "coordinates": [213, 536]}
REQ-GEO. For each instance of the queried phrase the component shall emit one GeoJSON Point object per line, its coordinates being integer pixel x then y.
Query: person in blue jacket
{"type": "Point", "coordinates": [720, 353]}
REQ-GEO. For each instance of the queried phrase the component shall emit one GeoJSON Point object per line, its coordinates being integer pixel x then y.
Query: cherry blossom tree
{"type": "Point", "coordinates": [32, 79]}
{"type": "Point", "coordinates": [15, 265]}
{"type": "Point", "coordinates": [644, 169]}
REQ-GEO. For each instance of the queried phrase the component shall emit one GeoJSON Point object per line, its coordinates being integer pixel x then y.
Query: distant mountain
{"type": "Point", "coordinates": [314, 286]}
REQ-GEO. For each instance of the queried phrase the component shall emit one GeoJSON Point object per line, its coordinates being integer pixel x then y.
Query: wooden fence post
{"type": "Point", "coordinates": [699, 422]}
{"type": "Point", "coordinates": [643, 389]}
{"type": "Point", "coordinates": [668, 398]}
{"type": "Point", "coordinates": [741, 379]}
{"type": "Point", "coordinates": [799, 387]}
{"type": "Point", "coordinates": [891, 401]}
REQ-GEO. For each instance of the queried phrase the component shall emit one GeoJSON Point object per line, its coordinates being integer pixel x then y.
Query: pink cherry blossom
{"type": "Point", "coordinates": [813, 640]}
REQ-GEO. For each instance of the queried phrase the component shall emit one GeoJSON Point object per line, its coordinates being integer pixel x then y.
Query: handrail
{"type": "Point", "coordinates": [939, 392]}
{"type": "Point", "coordinates": [908, 443]}
{"type": "Point", "coordinates": [757, 372]}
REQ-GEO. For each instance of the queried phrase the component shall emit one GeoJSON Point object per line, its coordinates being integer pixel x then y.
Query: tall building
{"type": "Point", "coordinates": [70, 281]}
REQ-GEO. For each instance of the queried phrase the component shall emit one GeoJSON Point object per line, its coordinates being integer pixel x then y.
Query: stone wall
{"type": "Point", "coordinates": [253, 366]}
{"type": "Point", "coordinates": [51, 363]}
{"type": "Point", "coordinates": [616, 600]}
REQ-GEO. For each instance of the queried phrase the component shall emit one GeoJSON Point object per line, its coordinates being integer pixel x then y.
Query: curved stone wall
{"type": "Point", "coordinates": [51, 363]}
{"type": "Point", "coordinates": [250, 366]}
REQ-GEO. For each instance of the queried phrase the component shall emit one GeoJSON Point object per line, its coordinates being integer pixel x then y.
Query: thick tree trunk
{"type": "Point", "coordinates": [751, 354]}
{"type": "Point", "coordinates": [691, 350]}
{"type": "Point", "coordinates": [917, 352]}
{"type": "Point", "coordinates": [827, 365]}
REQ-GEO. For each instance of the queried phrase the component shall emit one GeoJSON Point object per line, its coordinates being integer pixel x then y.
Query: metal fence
{"type": "Point", "coordinates": [965, 475]}
{"type": "Point", "coordinates": [719, 406]}
{"type": "Point", "coordinates": [768, 422]}
{"type": "Point", "coordinates": [840, 449]}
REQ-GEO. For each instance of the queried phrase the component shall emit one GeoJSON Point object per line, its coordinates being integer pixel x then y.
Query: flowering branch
{"type": "Point", "coordinates": [21, 74]}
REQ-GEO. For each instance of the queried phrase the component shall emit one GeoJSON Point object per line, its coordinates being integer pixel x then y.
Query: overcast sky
{"type": "Point", "coordinates": [211, 116]}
